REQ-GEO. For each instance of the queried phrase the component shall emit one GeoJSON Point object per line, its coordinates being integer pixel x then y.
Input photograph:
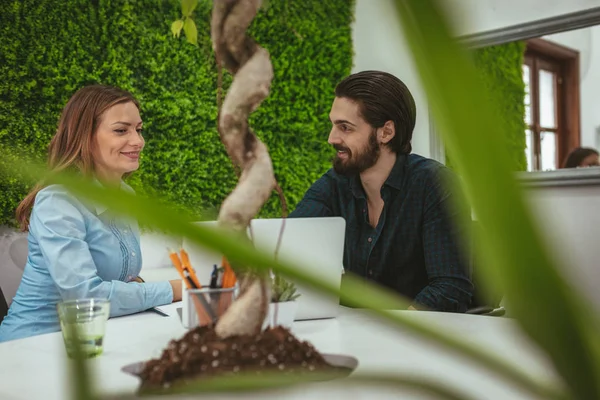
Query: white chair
{"type": "Point", "coordinates": [13, 257]}
{"type": "Point", "coordinates": [156, 264]}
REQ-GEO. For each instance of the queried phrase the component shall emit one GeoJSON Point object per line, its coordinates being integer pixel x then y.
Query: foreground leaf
{"type": "Point", "coordinates": [512, 251]}
{"type": "Point", "coordinates": [273, 381]}
{"type": "Point", "coordinates": [356, 292]}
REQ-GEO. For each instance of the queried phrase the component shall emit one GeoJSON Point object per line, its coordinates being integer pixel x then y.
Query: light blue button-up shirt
{"type": "Point", "coordinates": [78, 250]}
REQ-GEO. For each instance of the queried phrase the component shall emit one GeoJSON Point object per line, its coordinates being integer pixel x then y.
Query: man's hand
{"type": "Point", "coordinates": [176, 286]}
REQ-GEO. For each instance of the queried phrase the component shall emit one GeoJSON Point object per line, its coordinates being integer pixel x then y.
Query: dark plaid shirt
{"type": "Point", "coordinates": [414, 249]}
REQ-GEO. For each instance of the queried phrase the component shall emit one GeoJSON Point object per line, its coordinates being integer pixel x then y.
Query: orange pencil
{"type": "Point", "coordinates": [228, 274]}
{"type": "Point", "coordinates": [187, 266]}
{"type": "Point", "coordinates": [226, 268]}
{"type": "Point", "coordinates": [182, 272]}
{"type": "Point", "coordinates": [176, 262]}
{"type": "Point", "coordinates": [228, 282]}
{"type": "Point", "coordinates": [199, 303]}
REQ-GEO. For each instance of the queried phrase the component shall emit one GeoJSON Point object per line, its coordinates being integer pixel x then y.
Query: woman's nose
{"type": "Point", "coordinates": [137, 140]}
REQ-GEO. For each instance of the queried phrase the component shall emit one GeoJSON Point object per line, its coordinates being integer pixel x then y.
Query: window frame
{"type": "Point", "coordinates": [543, 54]}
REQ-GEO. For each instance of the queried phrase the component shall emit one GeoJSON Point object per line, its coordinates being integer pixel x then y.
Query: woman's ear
{"type": "Point", "coordinates": [388, 131]}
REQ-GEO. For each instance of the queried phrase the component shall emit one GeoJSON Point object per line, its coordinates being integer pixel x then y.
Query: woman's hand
{"type": "Point", "coordinates": [176, 286]}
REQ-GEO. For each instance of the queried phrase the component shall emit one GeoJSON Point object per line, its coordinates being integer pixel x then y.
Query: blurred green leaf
{"type": "Point", "coordinates": [271, 380]}
{"type": "Point", "coordinates": [189, 27]}
{"type": "Point", "coordinates": [176, 27]}
{"type": "Point", "coordinates": [511, 251]}
{"type": "Point", "coordinates": [188, 6]}
{"type": "Point", "coordinates": [511, 248]}
{"type": "Point", "coordinates": [82, 383]}
{"type": "Point", "coordinates": [356, 293]}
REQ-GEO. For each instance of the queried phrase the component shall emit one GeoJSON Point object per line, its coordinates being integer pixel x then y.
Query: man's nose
{"type": "Point", "coordinates": [333, 138]}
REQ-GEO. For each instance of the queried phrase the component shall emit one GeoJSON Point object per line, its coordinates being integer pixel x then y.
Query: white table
{"type": "Point", "coordinates": [36, 367]}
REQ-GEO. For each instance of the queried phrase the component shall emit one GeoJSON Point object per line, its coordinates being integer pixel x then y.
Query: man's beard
{"type": "Point", "coordinates": [359, 162]}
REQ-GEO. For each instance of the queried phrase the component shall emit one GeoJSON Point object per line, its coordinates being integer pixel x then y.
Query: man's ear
{"type": "Point", "coordinates": [388, 131]}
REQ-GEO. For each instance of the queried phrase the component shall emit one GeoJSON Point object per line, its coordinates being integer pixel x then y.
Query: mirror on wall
{"type": "Point", "coordinates": [556, 81]}
{"type": "Point", "coordinates": [545, 78]}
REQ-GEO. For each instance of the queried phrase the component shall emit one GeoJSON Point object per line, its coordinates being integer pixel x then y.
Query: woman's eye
{"type": "Point", "coordinates": [139, 131]}
{"type": "Point", "coordinates": [121, 131]}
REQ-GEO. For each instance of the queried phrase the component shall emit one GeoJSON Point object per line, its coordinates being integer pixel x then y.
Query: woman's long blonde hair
{"type": "Point", "coordinates": [72, 145]}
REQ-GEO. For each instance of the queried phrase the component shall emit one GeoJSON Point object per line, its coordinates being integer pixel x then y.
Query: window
{"type": "Point", "coordinates": [551, 76]}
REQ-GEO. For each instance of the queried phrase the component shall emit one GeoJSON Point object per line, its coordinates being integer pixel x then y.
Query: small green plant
{"type": "Point", "coordinates": [283, 290]}
{"type": "Point", "coordinates": [186, 22]}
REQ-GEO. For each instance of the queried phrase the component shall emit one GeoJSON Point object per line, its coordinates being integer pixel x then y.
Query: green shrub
{"type": "Point", "coordinates": [50, 49]}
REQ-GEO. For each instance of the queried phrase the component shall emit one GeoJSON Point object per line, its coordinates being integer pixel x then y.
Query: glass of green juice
{"type": "Point", "coordinates": [83, 322]}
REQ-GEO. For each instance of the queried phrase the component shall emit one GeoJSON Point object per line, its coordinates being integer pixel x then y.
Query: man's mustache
{"type": "Point", "coordinates": [338, 147]}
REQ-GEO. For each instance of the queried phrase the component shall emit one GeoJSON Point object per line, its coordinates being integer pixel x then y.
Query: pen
{"type": "Point", "coordinates": [159, 312]}
{"type": "Point", "coordinates": [214, 277]}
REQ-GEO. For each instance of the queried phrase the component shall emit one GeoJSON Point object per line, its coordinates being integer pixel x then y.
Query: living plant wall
{"type": "Point", "coordinates": [50, 49]}
{"type": "Point", "coordinates": [501, 68]}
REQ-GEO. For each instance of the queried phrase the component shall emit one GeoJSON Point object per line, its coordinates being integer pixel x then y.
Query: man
{"type": "Point", "coordinates": [400, 229]}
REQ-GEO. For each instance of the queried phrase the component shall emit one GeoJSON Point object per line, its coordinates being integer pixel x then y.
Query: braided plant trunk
{"type": "Point", "coordinates": [252, 69]}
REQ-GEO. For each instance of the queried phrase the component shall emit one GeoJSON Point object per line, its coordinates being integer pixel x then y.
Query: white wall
{"type": "Point", "coordinates": [586, 42]}
{"type": "Point", "coordinates": [474, 16]}
{"type": "Point", "coordinates": [379, 43]}
{"type": "Point", "coordinates": [568, 219]}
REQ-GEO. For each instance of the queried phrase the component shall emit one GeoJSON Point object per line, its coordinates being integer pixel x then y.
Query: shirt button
{"type": "Point", "coordinates": [125, 230]}
{"type": "Point", "coordinates": [133, 253]}
{"type": "Point", "coordinates": [369, 240]}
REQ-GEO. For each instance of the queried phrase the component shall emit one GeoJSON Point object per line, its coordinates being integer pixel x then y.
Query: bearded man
{"type": "Point", "coordinates": [402, 223]}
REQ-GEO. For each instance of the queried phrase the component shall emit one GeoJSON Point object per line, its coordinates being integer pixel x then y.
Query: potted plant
{"type": "Point", "coordinates": [283, 305]}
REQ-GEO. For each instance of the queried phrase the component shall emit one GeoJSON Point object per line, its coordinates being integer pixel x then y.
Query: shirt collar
{"type": "Point", "coordinates": [394, 179]}
{"type": "Point", "coordinates": [396, 176]}
{"type": "Point", "coordinates": [101, 208]}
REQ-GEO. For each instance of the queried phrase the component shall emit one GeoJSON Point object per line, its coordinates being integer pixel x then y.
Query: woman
{"type": "Point", "coordinates": [78, 249]}
{"type": "Point", "coordinates": [582, 157]}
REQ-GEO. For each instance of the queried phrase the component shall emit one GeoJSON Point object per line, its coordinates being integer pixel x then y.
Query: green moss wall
{"type": "Point", "coordinates": [502, 71]}
{"type": "Point", "coordinates": [49, 49]}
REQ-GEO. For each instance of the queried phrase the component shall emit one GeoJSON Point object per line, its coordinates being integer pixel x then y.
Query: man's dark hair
{"type": "Point", "coordinates": [382, 97]}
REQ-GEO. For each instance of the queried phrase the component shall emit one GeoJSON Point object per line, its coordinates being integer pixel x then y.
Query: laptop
{"type": "Point", "coordinates": [314, 244]}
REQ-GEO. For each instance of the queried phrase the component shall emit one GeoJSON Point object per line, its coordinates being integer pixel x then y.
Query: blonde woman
{"type": "Point", "coordinates": [77, 249]}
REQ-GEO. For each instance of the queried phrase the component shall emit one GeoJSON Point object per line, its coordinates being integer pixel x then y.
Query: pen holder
{"type": "Point", "coordinates": [205, 306]}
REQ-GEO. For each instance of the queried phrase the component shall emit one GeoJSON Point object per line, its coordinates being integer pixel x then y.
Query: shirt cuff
{"type": "Point", "coordinates": [158, 293]}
